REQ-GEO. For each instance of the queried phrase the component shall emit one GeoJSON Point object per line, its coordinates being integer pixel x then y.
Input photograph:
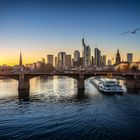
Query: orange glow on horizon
{"type": "Point", "coordinates": [12, 58]}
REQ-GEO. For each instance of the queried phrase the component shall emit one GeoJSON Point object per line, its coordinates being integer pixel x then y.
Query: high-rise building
{"type": "Point", "coordinates": [81, 61]}
{"type": "Point", "coordinates": [50, 59]}
{"type": "Point", "coordinates": [104, 60]}
{"type": "Point", "coordinates": [56, 61]}
{"type": "Point", "coordinates": [130, 57]}
{"type": "Point", "coordinates": [97, 57]}
{"type": "Point", "coordinates": [62, 63]}
{"type": "Point", "coordinates": [92, 60]}
{"type": "Point", "coordinates": [118, 58]}
{"type": "Point", "coordinates": [76, 60]}
{"type": "Point", "coordinates": [86, 54]}
{"type": "Point", "coordinates": [68, 59]}
{"type": "Point", "coordinates": [76, 55]}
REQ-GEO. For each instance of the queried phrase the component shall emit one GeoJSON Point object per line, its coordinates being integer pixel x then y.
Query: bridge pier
{"type": "Point", "coordinates": [23, 87]}
{"type": "Point", "coordinates": [80, 82]}
{"type": "Point", "coordinates": [133, 86]}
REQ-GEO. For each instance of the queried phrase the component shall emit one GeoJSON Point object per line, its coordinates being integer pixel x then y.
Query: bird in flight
{"type": "Point", "coordinates": [132, 32]}
{"type": "Point", "coordinates": [125, 32]}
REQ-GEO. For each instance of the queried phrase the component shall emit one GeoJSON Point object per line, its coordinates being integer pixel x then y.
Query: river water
{"type": "Point", "coordinates": [55, 111]}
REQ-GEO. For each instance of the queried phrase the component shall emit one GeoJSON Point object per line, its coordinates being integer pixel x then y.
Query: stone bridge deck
{"type": "Point", "coordinates": [80, 76]}
{"type": "Point", "coordinates": [74, 75]}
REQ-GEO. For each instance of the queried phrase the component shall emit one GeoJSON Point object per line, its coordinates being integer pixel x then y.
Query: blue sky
{"type": "Point", "coordinates": [39, 27]}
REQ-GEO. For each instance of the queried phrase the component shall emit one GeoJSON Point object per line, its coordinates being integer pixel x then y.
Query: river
{"type": "Point", "coordinates": [55, 111]}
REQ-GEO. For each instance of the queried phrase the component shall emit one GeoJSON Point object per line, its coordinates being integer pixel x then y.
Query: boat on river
{"type": "Point", "coordinates": [107, 86]}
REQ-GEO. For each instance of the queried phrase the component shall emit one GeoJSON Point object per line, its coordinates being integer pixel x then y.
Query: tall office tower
{"type": "Point", "coordinates": [97, 57]}
{"type": "Point", "coordinates": [86, 54]}
{"type": "Point", "coordinates": [76, 60]}
{"type": "Point", "coordinates": [50, 59]}
{"type": "Point", "coordinates": [76, 55]}
{"type": "Point", "coordinates": [56, 61]}
{"type": "Point", "coordinates": [104, 60]}
{"type": "Point", "coordinates": [130, 57]}
{"type": "Point", "coordinates": [68, 60]}
{"type": "Point", "coordinates": [81, 61]}
{"type": "Point", "coordinates": [62, 63]}
{"type": "Point", "coordinates": [118, 58]}
{"type": "Point", "coordinates": [92, 60]}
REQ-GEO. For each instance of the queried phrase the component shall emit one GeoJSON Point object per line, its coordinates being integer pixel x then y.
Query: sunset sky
{"type": "Point", "coordinates": [41, 27]}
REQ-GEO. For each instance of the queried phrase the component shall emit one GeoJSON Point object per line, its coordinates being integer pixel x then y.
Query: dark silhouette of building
{"type": "Point", "coordinates": [92, 61]}
{"type": "Point", "coordinates": [21, 67]}
{"type": "Point", "coordinates": [76, 60]}
{"type": "Point", "coordinates": [97, 57]}
{"type": "Point", "coordinates": [86, 54]}
{"type": "Point", "coordinates": [130, 57]}
{"type": "Point", "coordinates": [118, 58]}
{"type": "Point", "coordinates": [68, 60]}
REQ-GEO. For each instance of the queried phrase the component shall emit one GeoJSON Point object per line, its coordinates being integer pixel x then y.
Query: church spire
{"type": "Point", "coordinates": [118, 57]}
{"type": "Point", "coordinates": [118, 51]}
{"type": "Point", "coordinates": [20, 60]}
{"type": "Point", "coordinates": [21, 67]}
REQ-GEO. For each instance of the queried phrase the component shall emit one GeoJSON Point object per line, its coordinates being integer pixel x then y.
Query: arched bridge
{"type": "Point", "coordinates": [80, 76]}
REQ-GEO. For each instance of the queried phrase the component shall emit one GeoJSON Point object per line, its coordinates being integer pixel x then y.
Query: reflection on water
{"type": "Point", "coordinates": [8, 88]}
{"type": "Point", "coordinates": [55, 87]}
{"type": "Point", "coordinates": [56, 111]}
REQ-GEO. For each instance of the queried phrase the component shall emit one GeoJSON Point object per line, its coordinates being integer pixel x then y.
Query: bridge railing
{"type": "Point", "coordinates": [73, 72]}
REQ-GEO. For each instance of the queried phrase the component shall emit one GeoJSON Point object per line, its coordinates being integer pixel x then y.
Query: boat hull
{"type": "Point", "coordinates": [106, 92]}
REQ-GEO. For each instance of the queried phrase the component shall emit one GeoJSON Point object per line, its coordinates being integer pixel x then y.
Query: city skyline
{"type": "Point", "coordinates": [48, 27]}
{"type": "Point", "coordinates": [72, 54]}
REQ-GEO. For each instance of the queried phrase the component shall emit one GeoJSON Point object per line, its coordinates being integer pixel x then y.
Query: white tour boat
{"type": "Point", "coordinates": [108, 86]}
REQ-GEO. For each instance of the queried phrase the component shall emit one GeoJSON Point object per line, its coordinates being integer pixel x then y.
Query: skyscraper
{"type": "Point", "coordinates": [86, 54]}
{"type": "Point", "coordinates": [97, 57]}
{"type": "Point", "coordinates": [68, 59]}
{"type": "Point", "coordinates": [130, 57]}
{"type": "Point", "coordinates": [118, 58]}
{"type": "Point", "coordinates": [50, 59]}
{"type": "Point", "coordinates": [56, 61]}
{"type": "Point", "coordinates": [62, 63]}
{"type": "Point", "coordinates": [104, 60]}
{"type": "Point", "coordinates": [76, 55]}
{"type": "Point", "coordinates": [76, 60]}
{"type": "Point", "coordinates": [92, 60]}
